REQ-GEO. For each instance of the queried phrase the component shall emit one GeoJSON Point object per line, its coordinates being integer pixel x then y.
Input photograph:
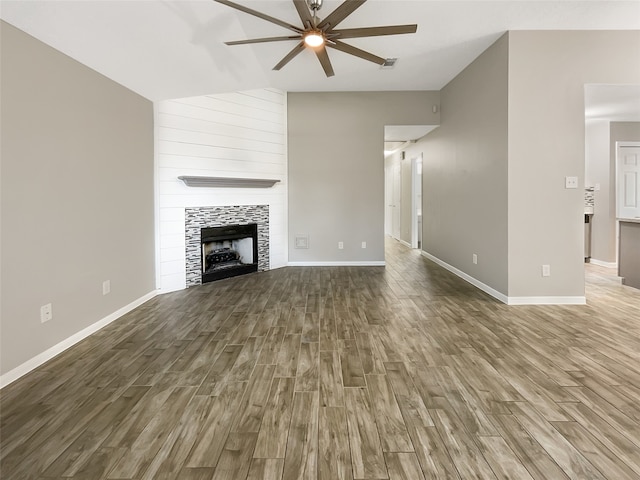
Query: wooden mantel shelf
{"type": "Point", "coordinates": [226, 182]}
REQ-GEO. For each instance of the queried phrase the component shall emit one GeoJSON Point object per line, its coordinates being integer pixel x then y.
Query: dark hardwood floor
{"type": "Point", "coordinates": [403, 372]}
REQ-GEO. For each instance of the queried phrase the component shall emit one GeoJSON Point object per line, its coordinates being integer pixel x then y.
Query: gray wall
{"type": "Point", "coordinates": [77, 196]}
{"type": "Point", "coordinates": [547, 74]}
{"type": "Point", "coordinates": [464, 181]}
{"type": "Point", "coordinates": [336, 169]}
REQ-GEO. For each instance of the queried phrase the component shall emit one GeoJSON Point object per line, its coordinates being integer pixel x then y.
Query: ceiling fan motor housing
{"type": "Point", "coordinates": [314, 5]}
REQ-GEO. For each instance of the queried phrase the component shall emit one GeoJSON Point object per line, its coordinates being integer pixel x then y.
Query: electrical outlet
{"type": "Point", "coordinates": [475, 259]}
{"type": "Point", "coordinates": [340, 245]}
{"type": "Point", "coordinates": [364, 244]}
{"type": "Point", "coordinates": [546, 270]}
{"type": "Point", "coordinates": [570, 182]}
{"type": "Point", "coordinates": [106, 287]}
{"type": "Point", "coordinates": [46, 313]}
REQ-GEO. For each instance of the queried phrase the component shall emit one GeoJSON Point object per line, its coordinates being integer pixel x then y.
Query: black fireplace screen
{"type": "Point", "coordinates": [229, 251]}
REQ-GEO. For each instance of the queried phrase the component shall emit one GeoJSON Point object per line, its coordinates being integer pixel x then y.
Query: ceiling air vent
{"type": "Point", "coordinates": [389, 63]}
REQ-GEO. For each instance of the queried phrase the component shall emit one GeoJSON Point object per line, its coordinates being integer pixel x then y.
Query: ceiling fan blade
{"type": "Point", "coordinates": [263, 16]}
{"type": "Point", "coordinates": [340, 13]}
{"type": "Point", "coordinates": [304, 12]}
{"type": "Point", "coordinates": [374, 31]}
{"type": "Point", "coordinates": [290, 56]}
{"type": "Point", "coordinates": [323, 56]}
{"type": "Point", "coordinates": [263, 40]}
{"type": "Point", "coordinates": [350, 49]}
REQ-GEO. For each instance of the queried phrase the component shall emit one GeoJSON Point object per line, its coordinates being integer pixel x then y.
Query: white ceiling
{"type": "Point", "coordinates": [615, 103]}
{"type": "Point", "coordinates": [174, 48]}
{"type": "Point", "coordinates": [402, 133]}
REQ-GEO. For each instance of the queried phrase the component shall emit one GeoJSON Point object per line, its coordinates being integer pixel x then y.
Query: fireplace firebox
{"type": "Point", "coordinates": [229, 251]}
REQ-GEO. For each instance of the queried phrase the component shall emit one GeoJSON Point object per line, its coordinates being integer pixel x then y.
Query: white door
{"type": "Point", "coordinates": [396, 200]}
{"type": "Point", "coordinates": [628, 179]}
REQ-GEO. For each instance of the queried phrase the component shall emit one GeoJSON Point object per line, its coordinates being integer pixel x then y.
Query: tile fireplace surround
{"type": "Point", "coordinates": [196, 218]}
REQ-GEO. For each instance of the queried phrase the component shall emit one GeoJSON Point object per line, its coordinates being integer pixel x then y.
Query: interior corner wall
{"type": "Point", "coordinates": [336, 169]}
{"type": "Point", "coordinates": [464, 172]}
{"type": "Point", "coordinates": [547, 74]}
{"type": "Point", "coordinates": [598, 172]}
{"type": "Point", "coordinates": [237, 134]}
{"type": "Point", "coordinates": [76, 197]}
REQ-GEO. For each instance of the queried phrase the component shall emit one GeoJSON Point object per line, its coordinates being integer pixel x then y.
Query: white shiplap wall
{"type": "Point", "coordinates": [239, 134]}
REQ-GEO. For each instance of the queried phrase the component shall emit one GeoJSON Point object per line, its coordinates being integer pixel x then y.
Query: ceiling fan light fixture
{"type": "Point", "coordinates": [314, 39]}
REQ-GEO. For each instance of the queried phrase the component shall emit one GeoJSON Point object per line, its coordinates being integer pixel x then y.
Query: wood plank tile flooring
{"type": "Point", "coordinates": [403, 372]}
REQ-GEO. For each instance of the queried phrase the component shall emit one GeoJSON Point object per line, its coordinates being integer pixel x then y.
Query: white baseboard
{"type": "Point", "coordinates": [406, 244]}
{"type": "Point", "coordinates": [162, 291]}
{"type": "Point", "coordinates": [338, 264]}
{"type": "Point", "coordinates": [547, 301]}
{"type": "Point", "coordinates": [278, 265]}
{"type": "Point", "coordinates": [501, 296]}
{"type": "Point", "coordinates": [48, 354]}
{"type": "Point", "coordinates": [477, 283]}
{"type": "Point", "coordinates": [602, 263]}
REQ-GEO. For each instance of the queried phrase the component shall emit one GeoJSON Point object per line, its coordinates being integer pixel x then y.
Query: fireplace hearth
{"type": "Point", "coordinates": [229, 251]}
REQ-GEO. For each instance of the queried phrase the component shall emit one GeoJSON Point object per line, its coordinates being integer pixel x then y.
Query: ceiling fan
{"type": "Point", "coordinates": [317, 34]}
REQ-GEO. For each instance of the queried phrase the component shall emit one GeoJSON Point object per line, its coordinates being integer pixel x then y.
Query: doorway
{"type": "Point", "coordinates": [612, 116]}
{"type": "Point", "coordinates": [627, 186]}
{"type": "Point", "coordinates": [628, 179]}
{"type": "Point", "coordinates": [403, 183]}
{"type": "Point", "coordinates": [403, 198]}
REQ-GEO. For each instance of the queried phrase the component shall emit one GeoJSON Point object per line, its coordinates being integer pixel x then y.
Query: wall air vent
{"type": "Point", "coordinates": [389, 63]}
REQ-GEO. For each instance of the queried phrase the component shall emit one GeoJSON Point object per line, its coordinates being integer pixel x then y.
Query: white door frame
{"type": "Point", "coordinates": [416, 194]}
{"type": "Point", "coordinates": [396, 188]}
{"type": "Point", "coordinates": [388, 201]}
